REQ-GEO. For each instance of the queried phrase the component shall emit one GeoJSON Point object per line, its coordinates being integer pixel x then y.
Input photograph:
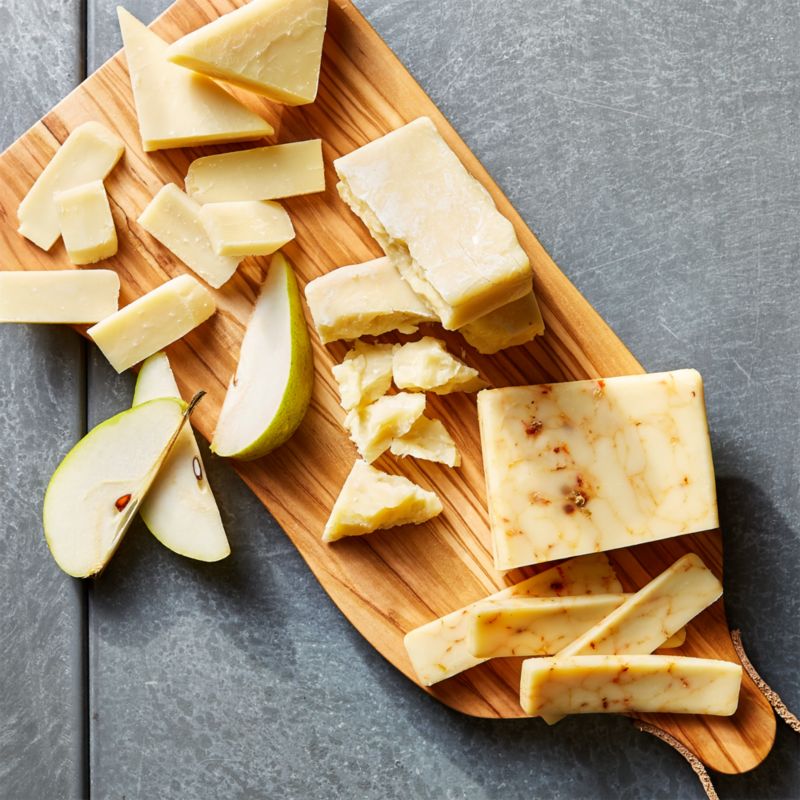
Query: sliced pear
{"type": "Point", "coordinates": [97, 489]}
{"type": "Point", "coordinates": [180, 509]}
{"type": "Point", "coordinates": [270, 392]}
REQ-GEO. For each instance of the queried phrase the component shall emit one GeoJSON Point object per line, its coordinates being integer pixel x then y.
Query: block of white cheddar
{"type": "Point", "coordinates": [262, 173]}
{"type": "Point", "coordinates": [173, 218]}
{"type": "Point", "coordinates": [152, 321]}
{"type": "Point", "coordinates": [247, 227]}
{"type": "Point", "coordinates": [364, 375]}
{"type": "Point", "coordinates": [428, 439]}
{"type": "Point", "coordinates": [364, 300]}
{"type": "Point", "coordinates": [437, 223]}
{"type": "Point", "coordinates": [70, 296]}
{"type": "Point", "coordinates": [371, 500]}
{"type": "Point", "coordinates": [621, 684]}
{"type": "Point", "coordinates": [426, 366]}
{"type": "Point", "coordinates": [176, 107]}
{"type": "Point", "coordinates": [373, 427]}
{"type": "Point", "coordinates": [89, 153]}
{"type": "Point", "coordinates": [515, 323]}
{"type": "Point", "coordinates": [271, 47]}
{"type": "Point", "coordinates": [595, 465]}
{"type": "Point", "coordinates": [87, 227]}
{"type": "Point", "coordinates": [438, 649]}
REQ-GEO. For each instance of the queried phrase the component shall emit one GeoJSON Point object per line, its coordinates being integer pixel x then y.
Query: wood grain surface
{"type": "Point", "coordinates": [389, 582]}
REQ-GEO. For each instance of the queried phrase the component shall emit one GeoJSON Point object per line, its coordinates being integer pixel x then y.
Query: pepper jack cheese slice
{"type": "Point", "coordinates": [621, 684]}
{"type": "Point", "coordinates": [70, 296]}
{"type": "Point", "coordinates": [371, 500]}
{"type": "Point", "coordinates": [436, 222]}
{"type": "Point", "coordinates": [176, 107]}
{"type": "Point", "coordinates": [426, 366]}
{"type": "Point", "coordinates": [247, 228]}
{"type": "Point", "coordinates": [262, 173]}
{"type": "Point", "coordinates": [87, 226]}
{"type": "Point", "coordinates": [512, 324]}
{"type": "Point", "coordinates": [153, 321]}
{"type": "Point", "coordinates": [271, 47]}
{"type": "Point", "coordinates": [364, 300]}
{"type": "Point", "coordinates": [373, 427]}
{"type": "Point", "coordinates": [438, 649]}
{"type": "Point", "coordinates": [428, 439]}
{"type": "Point", "coordinates": [174, 219]}
{"type": "Point", "coordinates": [594, 465]}
{"type": "Point", "coordinates": [364, 375]}
{"type": "Point", "coordinates": [89, 153]}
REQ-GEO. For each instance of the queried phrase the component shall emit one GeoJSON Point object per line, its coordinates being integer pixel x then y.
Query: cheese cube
{"type": "Point", "coordinates": [371, 500]}
{"type": "Point", "coordinates": [428, 439]}
{"type": "Point", "coordinates": [510, 325]}
{"type": "Point", "coordinates": [426, 366]}
{"type": "Point", "coordinates": [373, 427]}
{"type": "Point", "coordinates": [437, 223]}
{"type": "Point", "coordinates": [364, 375]}
{"type": "Point", "coordinates": [70, 296]}
{"type": "Point", "coordinates": [595, 465]}
{"type": "Point", "coordinates": [247, 227]}
{"type": "Point", "coordinates": [364, 300]}
{"type": "Point", "coordinates": [87, 226]}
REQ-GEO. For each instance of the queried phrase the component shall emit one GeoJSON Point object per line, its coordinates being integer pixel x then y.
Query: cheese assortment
{"type": "Point", "coordinates": [246, 227]}
{"type": "Point", "coordinates": [87, 227]}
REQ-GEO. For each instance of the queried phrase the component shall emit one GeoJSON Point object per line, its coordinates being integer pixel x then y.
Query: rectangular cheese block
{"type": "Point", "coordinates": [262, 173]}
{"type": "Point", "coordinates": [429, 440]}
{"type": "Point", "coordinates": [89, 153]}
{"type": "Point", "coordinates": [438, 224]}
{"type": "Point", "coordinates": [438, 649]}
{"type": "Point", "coordinates": [594, 465]}
{"type": "Point", "coordinates": [513, 324]}
{"type": "Point", "coordinates": [247, 227]}
{"type": "Point", "coordinates": [71, 296]}
{"type": "Point", "coordinates": [152, 322]}
{"type": "Point", "coordinates": [622, 684]}
{"type": "Point", "coordinates": [87, 226]}
{"type": "Point", "coordinates": [364, 300]}
{"type": "Point", "coordinates": [174, 219]}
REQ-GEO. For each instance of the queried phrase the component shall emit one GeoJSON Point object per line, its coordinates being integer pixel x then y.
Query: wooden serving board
{"type": "Point", "coordinates": [389, 582]}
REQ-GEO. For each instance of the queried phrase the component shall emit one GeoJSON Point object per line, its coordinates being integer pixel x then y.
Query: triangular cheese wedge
{"type": "Point", "coordinates": [271, 47]}
{"type": "Point", "coordinates": [176, 107]}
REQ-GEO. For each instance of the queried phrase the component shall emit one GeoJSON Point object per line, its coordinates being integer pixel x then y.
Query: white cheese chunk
{"type": "Point", "coordinates": [247, 227]}
{"type": "Point", "coordinates": [372, 428]}
{"type": "Point", "coordinates": [515, 323]}
{"type": "Point", "coordinates": [426, 366]}
{"type": "Point", "coordinates": [87, 227]}
{"type": "Point", "coordinates": [364, 375]}
{"type": "Point", "coordinates": [428, 439]}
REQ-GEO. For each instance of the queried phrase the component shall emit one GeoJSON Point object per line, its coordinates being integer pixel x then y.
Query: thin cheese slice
{"type": "Point", "coordinates": [271, 47]}
{"type": "Point", "coordinates": [89, 153]}
{"type": "Point", "coordinates": [512, 324]}
{"type": "Point", "coordinates": [372, 428]}
{"type": "Point", "coordinates": [71, 296]}
{"type": "Point", "coordinates": [364, 375]}
{"type": "Point", "coordinates": [153, 321]}
{"type": "Point", "coordinates": [87, 226]}
{"type": "Point", "coordinates": [176, 107]}
{"type": "Point", "coordinates": [174, 219]}
{"type": "Point", "coordinates": [247, 227]}
{"type": "Point", "coordinates": [262, 173]}
{"type": "Point", "coordinates": [438, 649]}
{"type": "Point", "coordinates": [428, 439]}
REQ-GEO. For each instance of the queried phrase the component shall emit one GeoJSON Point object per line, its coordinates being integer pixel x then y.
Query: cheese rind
{"type": "Point", "coordinates": [173, 218]}
{"type": "Point", "coordinates": [70, 297]}
{"type": "Point", "coordinates": [428, 439]}
{"type": "Point", "coordinates": [176, 107]}
{"type": "Point", "coordinates": [246, 228]}
{"type": "Point", "coordinates": [371, 500]}
{"type": "Point", "coordinates": [152, 321]}
{"type": "Point", "coordinates": [87, 227]}
{"type": "Point", "coordinates": [364, 300]}
{"type": "Point", "coordinates": [271, 47]}
{"type": "Point", "coordinates": [438, 649]}
{"type": "Point", "coordinates": [595, 465]}
{"type": "Point", "coordinates": [364, 375]}
{"type": "Point", "coordinates": [622, 684]}
{"type": "Point", "coordinates": [372, 428]}
{"type": "Point", "coordinates": [262, 173]}
{"type": "Point", "coordinates": [437, 223]}
{"type": "Point", "coordinates": [89, 153]}
{"type": "Point", "coordinates": [426, 366]}
{"type": "Point", "coordinates": [513, 324]}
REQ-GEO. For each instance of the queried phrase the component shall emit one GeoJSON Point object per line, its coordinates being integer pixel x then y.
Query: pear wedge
{"type": "Point", "coordinates": [270, 392]}
{"type": "Point", "coordinates": [97, 489]}
{"type": "Point", "coordinates": [180, 509]}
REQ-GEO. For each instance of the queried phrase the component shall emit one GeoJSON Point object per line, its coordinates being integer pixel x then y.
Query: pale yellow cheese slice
{"type": "Point", "coordinates": [177, 107]}
{"type": "Point", "coordinates": [71, 296]}
{"type": "Point", "coordinates": [247, 227]}
{"type": "Point", "coordinates": [595, 465]}
{"type": "Point", "coordinates": [373, 427]}
{"type": "Point", "coordinates": [364, 375]}
{"type": "Point", "coordinates": [261, 173]}
{"type": "Point", "coordinates": [438, 649]}
{"type": "Point", "coordinates": [152, 321]}
{"type": "Point", "coordinates": [426, 366]}
{"type": "Point", "coordinates": [271, 47]}
{"type": "Point", "coordinates": [87, 226]}
{"type": "Point", "coordinates": [602, 684]}
{"type": "Point", "coordinates": [371, 500]}
{"type": "Point", "coordinates": [428, 439]}
{"type": "Point", "coordinates": [512, 324]}
{"type": "Point", "coordinates": [437, 223]}
{"type": "Point", "coordinates": [174, 219]}
{"type": "Point", "coordinates": [89, 153]}
{"type": "Point", "coordinates": [364, 300]}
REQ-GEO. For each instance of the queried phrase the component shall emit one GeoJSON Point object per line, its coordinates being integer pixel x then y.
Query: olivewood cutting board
{"type": "Point", "coordinates": [389, 582]}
